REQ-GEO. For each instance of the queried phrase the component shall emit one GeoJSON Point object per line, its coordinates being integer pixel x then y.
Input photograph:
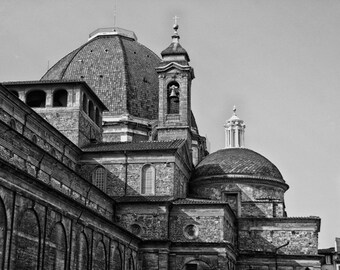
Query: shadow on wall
{"type": "Point", "coordinates": [148, 217]}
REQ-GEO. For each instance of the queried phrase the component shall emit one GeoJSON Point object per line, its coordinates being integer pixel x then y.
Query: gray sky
{"type": "Point", "coordinates": [277, 61]}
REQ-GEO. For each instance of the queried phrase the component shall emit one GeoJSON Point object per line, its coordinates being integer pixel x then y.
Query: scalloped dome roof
{"type": "Point", "coordinates": [238, 161]}
{"type": "Point", "coordinates": [120, 70]}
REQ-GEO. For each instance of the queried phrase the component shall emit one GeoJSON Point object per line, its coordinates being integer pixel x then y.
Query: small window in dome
{"type": "Point", "coordinates": [101, 76]}
{"type": "Point", "coordinates": [134, 53]}
{"type": "Point", "coordinates": [82, 77]}
{"type": "Point", "coordinates": [106, 50]}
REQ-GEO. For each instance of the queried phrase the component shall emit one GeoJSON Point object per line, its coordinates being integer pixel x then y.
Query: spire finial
{"type": "Point", "coordinates": [175, 26]}
{"type": "Point", "coordinates": [234, 109]}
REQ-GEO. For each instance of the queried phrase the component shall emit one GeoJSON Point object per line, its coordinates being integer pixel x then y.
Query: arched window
{"type": "Point", "coordinates": [60, 98]}
{"type": "Point", "coordinates": [84, 103]}
{"type": "Point", "coordinates": [34, 139]}
{"type": "Point", "coordinates": [53, 152]}
{"type": "Point", "coordinates": [97, 117]}
{"type": "Point", "coordinates": [27, 241]}
{"type": "Point", "coordinates": [148, 180]}
{"type": "Point", "coordinates": [99, 260]}
{"type": "Point", "coordinates": [55, 248]}
{"type": "Point", "coordinates": [13, 124]}
{"type": "Point", "coordinates": [173, 98]}
{"type": "Point", "coordinates": [36, 99]}
{"type": "Point", "coordinates": [99, 178]}
{"type": "Point", "coordinates": [83, 252]}
{"type": "Point", "coordinates": [3, 231]}
{"type": "Point", "coordinates": [116, 263]}
{"type": "Point", "coordinates": [131, 265]}
{"type": "Point", "coordinates": [15, 93]}
{"type": "Point", "coordinates": [91, 110]}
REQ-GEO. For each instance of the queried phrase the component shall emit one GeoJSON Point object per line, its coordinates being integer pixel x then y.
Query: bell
{"type": "Point", "coordinates": [173, 93]}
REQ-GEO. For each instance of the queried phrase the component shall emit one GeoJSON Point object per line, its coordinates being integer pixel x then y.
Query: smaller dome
{"type": "Point", "coordinates": [238, 161]}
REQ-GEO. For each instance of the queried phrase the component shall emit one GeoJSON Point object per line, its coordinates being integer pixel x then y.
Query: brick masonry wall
{"type": "Point", "coordinates": [180, 183]}
{"type": "Point", "coordinates": [267, 234]}
{"type": "Point", "coordinates": [116, 177]}
{"type": "Point", "coordinates": [31, 126]}
{"type": "Point", "coordinates": [203, 259]}
{"type": "Point", "coordinates": [257, 200]}
{"type": "Point", "coordinates": [30, 158]}
{"type": "Point", "coordinates": [152, 220]}
{"type": "Point", "coordinates": [208, 220]}
{"type": "Point", "coordinates": [88, 129]}
{"type": "Point", "coordinates": [40, 228]}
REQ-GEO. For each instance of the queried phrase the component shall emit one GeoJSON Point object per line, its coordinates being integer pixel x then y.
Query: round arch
{"type": "Point", "coordinates": [36, 98]}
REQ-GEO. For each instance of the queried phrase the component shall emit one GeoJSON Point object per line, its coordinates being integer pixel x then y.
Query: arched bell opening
{"type": "Point", "coordinates": [173, 98]}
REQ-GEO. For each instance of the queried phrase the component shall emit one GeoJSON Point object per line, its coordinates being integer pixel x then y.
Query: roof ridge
{"type": "Point", "coordinates": [126, 74]}
{"type": "Point", "coordinates": [69, 62]}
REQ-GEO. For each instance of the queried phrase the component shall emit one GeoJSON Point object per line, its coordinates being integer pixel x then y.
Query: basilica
{"type": "Point", "coordinates": [102, 167]}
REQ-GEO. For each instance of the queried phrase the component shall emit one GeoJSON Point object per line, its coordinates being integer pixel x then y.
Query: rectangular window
{"type": "Point", "coordinates": [232, 200]}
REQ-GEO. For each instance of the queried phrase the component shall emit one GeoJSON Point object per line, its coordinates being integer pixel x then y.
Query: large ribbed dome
{"type": "Point", "coordinates": [239, 162]}
{"type": "Point", "coordinates": [120, 70]}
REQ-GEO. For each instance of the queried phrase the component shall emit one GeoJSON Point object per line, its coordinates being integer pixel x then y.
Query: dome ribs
{"type": "Point", "coordinates": [238, 161]}
{"type": "Point", "coordinates": [120, 70]}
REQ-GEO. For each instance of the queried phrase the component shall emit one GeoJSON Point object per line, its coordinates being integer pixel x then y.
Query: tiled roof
{"type": "Point", "coordinates": [42, 82]}
{"type": "Point", "coordinates": [197, 201]}
{"type": "Point", "coordinates": [134, 146]}
{"type": "Point", "coordinates": [120, 70]}
{"type": "Point", "coordinates": [326, 250]}
{"type": "Point", "coordinates": [143, 199]}
{"type": "Point", "coordinates": [238, 161]}
{"type": "Point", "coordinates": [175, 49]}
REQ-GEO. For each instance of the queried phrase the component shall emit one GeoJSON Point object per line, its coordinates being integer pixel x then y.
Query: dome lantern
{"type": "Point", "coordinates": [234, 131]}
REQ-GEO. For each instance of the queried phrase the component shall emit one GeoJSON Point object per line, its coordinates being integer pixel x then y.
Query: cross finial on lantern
{"type": "Point", "coordinates": [175, 27]}
{"type": "Point", "coordinates": [175, 19]}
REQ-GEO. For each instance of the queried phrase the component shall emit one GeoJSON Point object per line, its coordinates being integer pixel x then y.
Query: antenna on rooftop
{"type": "Point", "coordinates": [115, 15]}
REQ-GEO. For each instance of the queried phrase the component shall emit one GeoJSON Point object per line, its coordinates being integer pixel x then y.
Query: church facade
{"type": "Point", "coordinates": [102, 167]}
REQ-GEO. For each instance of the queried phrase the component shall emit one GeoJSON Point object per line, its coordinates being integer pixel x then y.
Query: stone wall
{"type": "Point", "coordinates": [124, 173]}
{"type": "Point", "coordinates": [201, 223]}
{"type": "Point", "coordinates": [147, 220]}
{"type": "Point", "coordinates": [45, 167]}
{"type": "Point", "coordinates": [180, 183]}
{"type": "Point", "coordinates": [255, 199]}
{"type": "Point", "coordinates": [45, 229]}
{"type": "Point", "coordinates": [265, 235]}
{"type": "Point", "coordinates": [14, 113]}
{"type": "Point", "coordinates": [216, 258]}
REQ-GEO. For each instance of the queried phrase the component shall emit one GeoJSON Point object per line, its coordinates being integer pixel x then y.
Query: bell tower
{"type": "Point", "coordinates": [175, 76]}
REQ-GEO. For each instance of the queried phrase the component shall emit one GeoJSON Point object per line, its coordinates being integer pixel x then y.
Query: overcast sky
{"type": "Point", "coordinates": [277, 61]}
